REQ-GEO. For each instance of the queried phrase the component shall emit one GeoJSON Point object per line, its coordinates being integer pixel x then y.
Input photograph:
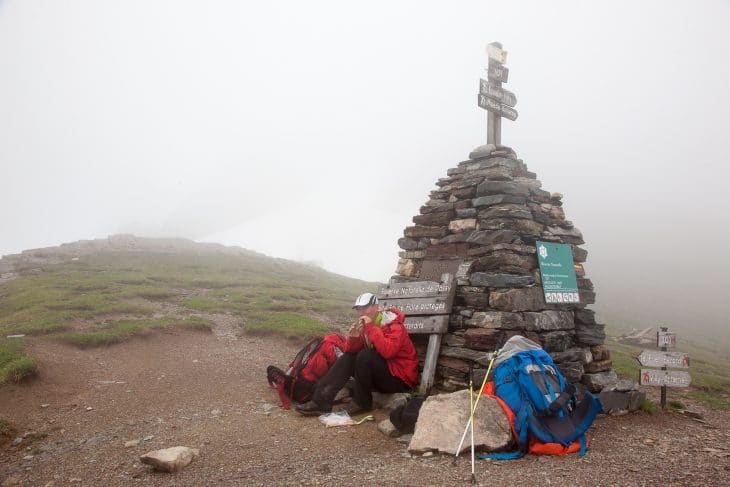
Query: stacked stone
{"type": "Point", "coordinates": [482, 222]}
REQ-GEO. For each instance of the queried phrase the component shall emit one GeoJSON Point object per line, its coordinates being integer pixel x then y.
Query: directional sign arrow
{"type": "Point", "coordinates": [499, 94]}
{"type": "Point", "coordinates": [496, 107]}
{"type": "Point", "coordinates": [669, 378]}
{"type": "Point", "coordinates": [655, 358]}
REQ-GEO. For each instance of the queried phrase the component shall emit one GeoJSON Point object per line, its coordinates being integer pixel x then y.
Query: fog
{"type": "Point", "coordinates": [315, 130]}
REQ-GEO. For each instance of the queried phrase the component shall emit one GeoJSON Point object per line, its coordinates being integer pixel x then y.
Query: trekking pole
{"type": "Point", "coordinates": [471, 399]}
{"type": "Point", "coordinates": [471, 415]}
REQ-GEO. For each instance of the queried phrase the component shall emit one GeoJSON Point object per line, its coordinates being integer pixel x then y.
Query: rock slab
{"type": "Point", "coordinates": [170, 459]}
{"type": "Point", "coordinates": [442, 419]}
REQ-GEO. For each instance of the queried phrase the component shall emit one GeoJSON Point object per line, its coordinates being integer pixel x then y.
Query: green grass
{"type": "Point", "coordinates": [7, 431]}
{"type": "Point", "coordinates": [286, 324]}
{"type": "Point", "coordinates": [102, 298]}
{"type": "Point", "coordinates": [14, 364]}
{"type": "Point", "coordinates": [648, 406]}
{"type": "Point", "coordinates": [117, 331]}
{"type": "Point", "coordinates": [677, 405]}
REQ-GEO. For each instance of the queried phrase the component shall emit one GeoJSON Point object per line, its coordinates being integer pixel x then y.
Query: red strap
{"type": "Point", "coordinates": [285, 404]}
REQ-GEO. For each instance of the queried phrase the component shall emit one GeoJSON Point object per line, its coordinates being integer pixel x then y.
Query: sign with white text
{"type": "Point", "coordinates": [657, 358]}
{"type": "Point", "coordinates": [558, 273]}
{"type": "Point", "coordinates": [668, 378]}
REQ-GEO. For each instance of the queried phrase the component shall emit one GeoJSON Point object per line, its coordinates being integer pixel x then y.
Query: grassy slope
{"type": "Point", "coordinates": [102, 292]}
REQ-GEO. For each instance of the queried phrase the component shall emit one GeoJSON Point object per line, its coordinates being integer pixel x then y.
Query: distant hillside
{"type": "Point", "coordinates": [97, 292]}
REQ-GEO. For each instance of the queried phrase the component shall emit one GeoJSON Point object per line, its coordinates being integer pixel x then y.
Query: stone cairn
{"type": "Point", "coordinates": [481, 224]}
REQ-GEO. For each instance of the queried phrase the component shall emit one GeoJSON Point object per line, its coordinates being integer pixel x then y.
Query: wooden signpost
{"type": "Point", "coordinates": [655, 358]}
{"type": "Point", "coordinates": [664, 359]}
{"type": "Point", "coordinates": [492, 97]}
{"type": "Point", "coordinates": [427, 305]}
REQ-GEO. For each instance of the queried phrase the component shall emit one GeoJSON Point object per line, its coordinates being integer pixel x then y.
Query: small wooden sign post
{"type": "Point", "coordinates": [663, 377]}
{"type": "Point", "coordinates": [492, 97]}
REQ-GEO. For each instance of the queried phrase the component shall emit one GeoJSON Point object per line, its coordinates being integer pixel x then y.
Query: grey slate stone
{"type": "Point", "coordinates": [598, 382]}
{"type": "Point", "coordinates": [497, 280]}
{"type": "Point", "coordinates": [614, 401]}
{"type": "Point", "coordinates": [573, 371]}
{"type": "Point", "coordinates": [501, 320]}
{"type": "Point", "coordinates": [497, 199]}
{"type": "Point", "coordinates": [502, 187]}
{"type": "Point", "coordinates": [556, 341]}
{"type": "Point", "coordinates": [590, 334]}
{"type": "Point", "coordinates": [550, 320]}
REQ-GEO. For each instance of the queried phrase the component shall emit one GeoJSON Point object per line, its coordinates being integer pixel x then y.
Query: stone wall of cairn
{"type": "Point", "coordinates": [481, 223]}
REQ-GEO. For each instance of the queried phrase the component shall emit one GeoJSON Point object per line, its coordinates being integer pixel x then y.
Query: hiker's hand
{"type": "Point", "coordinates": [364, 320]}
{"type": "Point", "coordinates": [354, 331]}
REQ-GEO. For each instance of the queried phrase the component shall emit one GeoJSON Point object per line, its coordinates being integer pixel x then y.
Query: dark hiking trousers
{"type": "Point", "coordinates": [371, 373]}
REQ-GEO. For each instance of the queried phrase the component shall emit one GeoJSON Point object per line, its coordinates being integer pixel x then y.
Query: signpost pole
{"type": "Point", "coordinates": [664, 387]}
{"type": "Point", "coordinates": [494, 120]}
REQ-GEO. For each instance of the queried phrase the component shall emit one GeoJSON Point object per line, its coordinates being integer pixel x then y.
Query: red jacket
{"type": "Point", "coordinates": [392, 342]}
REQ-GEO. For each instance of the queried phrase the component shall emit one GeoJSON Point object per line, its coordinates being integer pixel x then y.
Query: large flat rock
{"type": "Point", "coordinates": [442, 420]}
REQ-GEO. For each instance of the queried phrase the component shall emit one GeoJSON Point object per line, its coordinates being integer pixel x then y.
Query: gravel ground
{"type": "Point", "coordinates": [208, 391]}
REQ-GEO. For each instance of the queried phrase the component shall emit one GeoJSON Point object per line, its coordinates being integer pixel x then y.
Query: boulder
{"type": "Point", "coordinates": [170, 459]}
{"type": "Point", "coordinates": [598, 382]}
{"type": "Point", "coordinates": [442, 419]}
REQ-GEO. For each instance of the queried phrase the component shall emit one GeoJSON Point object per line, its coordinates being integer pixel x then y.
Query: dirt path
{"type": "Point", "coordinates": [208, 391]}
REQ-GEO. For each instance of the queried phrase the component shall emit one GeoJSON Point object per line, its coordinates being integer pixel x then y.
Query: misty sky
{"type": "Point", "coordinates": [315, 130]}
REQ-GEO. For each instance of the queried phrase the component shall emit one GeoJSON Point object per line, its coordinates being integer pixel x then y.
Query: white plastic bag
{"type": "Point", "coordinates": [339, 418]}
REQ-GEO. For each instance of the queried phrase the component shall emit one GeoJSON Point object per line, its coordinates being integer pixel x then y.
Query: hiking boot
{"type": "Point", "coordinates": [310, 408]}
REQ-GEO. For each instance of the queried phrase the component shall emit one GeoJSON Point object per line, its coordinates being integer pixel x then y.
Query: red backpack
{"type": "Point", "coordinates": [309, 365]}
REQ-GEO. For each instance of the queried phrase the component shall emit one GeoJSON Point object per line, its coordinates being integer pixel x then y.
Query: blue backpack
{"type": "Point", "coordinates": [543, 402]}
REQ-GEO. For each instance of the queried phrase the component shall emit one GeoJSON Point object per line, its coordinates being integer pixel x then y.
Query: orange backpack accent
{"type": "Point", "coordinates": [535, 447]}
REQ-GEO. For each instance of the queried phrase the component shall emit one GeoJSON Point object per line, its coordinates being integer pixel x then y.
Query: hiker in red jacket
{"type": "Point", "coordinates": [378, 353]}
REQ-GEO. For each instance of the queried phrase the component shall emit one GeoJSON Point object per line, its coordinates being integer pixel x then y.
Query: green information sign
{"type": "Point", "coordinates": [557, 271]}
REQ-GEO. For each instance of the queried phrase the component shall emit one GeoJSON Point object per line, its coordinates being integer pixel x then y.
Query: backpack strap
{"type": "Point", "coordinates": [509, 455]}
{"type": "Point", "coordinates": [561, 401]}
